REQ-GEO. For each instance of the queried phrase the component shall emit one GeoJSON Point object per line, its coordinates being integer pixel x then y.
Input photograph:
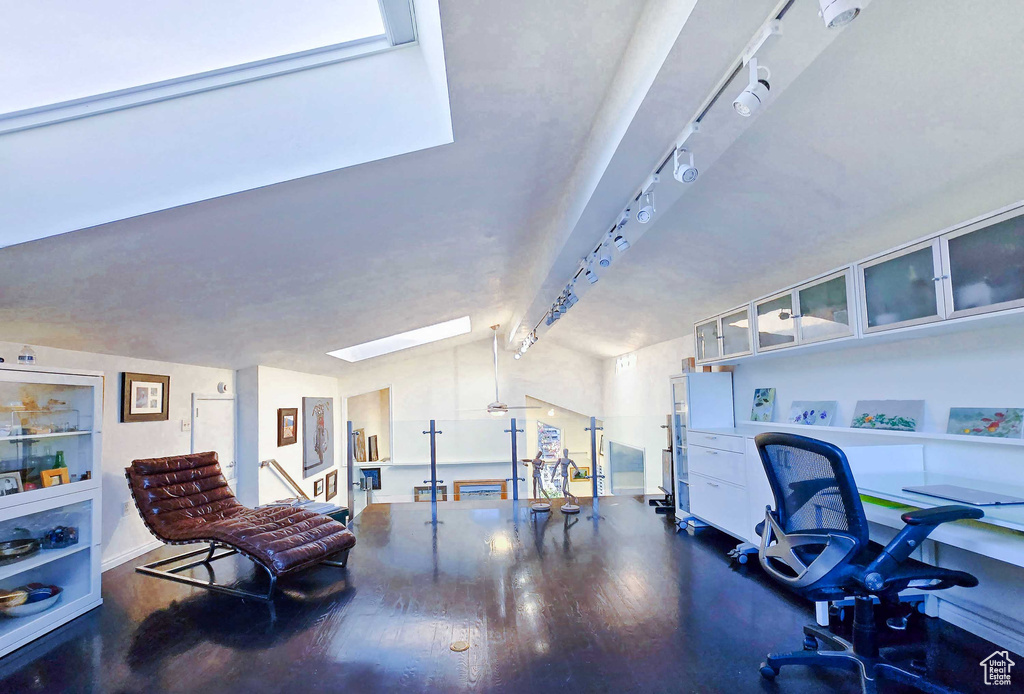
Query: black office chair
{"type": "Point", "coordinates": [816, 543]}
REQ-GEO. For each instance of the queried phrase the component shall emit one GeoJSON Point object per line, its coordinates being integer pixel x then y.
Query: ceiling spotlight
{"type": "Point", "coordinates": [756, 92]}
{"type": "Point", "coordinates": [591, 276]}
{"type": "Point", "coordinates": [683, 172]}
{"type": "Point", "coordinates": [622, 243]}
{"type": "Point", "coordinates": [605, 257]}
{"type": "Point", "coordinates": [517, 355]}
{"type": "Point", "coordinates": [646, 211]}
{"type": "Point", "coordinates": [836, 13]}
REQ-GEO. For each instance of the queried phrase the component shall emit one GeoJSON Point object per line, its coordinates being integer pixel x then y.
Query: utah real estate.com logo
{"type": "Point", "coordinates": [997, 668]}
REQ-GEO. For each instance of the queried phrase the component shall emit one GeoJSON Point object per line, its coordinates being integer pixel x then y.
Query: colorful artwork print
{"type": "Point", "coordinates": [892, 415]}
{"type": "Point", "coordinates": [764, 405]}
{"type": "Point", "coordinates": [317, 435]}
{"type": "Point", "coordinates": [1004, 423]}
{"type": "Point", "coordinates": [817, 413]}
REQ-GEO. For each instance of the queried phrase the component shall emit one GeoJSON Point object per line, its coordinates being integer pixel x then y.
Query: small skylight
{"type": "Point", "coordinates": [60, 50]}
{"type": "Point", "coordinates": [412, 338]}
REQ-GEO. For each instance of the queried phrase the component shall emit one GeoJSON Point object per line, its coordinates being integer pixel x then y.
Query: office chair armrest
{"type": "Point", "coordinates": [919, 525]}
{"type": "Point", "coordinates": [941, 514]}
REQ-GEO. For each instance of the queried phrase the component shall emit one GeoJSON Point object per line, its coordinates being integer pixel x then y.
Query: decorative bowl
{"type": "Point", "coordinates": [41, 603]}
{"type": "Point", "coordinates": [18, 549]}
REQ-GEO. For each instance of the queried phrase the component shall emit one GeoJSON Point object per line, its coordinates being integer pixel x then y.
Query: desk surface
{"type": "Point", "coordinates": [889, 486]}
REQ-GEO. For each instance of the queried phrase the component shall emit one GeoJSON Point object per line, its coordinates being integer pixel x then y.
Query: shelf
{"type": "Point", "coordinates": [920, 435]}
{"type": "Point", "coordinates": [43, 556]}
{"type": "Point", "coordinates": [47, 493]}
{"type": "Point", "coordinates": [33, 437]}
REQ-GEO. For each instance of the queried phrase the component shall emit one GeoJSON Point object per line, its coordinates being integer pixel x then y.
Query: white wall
{"type": "Point", "coordinates": [638, 399]}
{"type": "Point", "coordinates": [124, 535]}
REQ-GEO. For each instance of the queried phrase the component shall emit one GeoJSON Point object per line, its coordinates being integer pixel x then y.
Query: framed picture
{"type": "Point", "coordinates": [287, 426]}
{"type": "Point", "coordinates": [372, 446]}
{"type": "Point", "coordinates": [581, 474]}
{"type": "Point", "coordinates": [360, 445]}
{"type": "Point", "coordinates": [466, 490]}
{"type": "Point", "coordinates": [318, 487]}
{"type": "Point", "coordinates": [1000, 423]}
{"type": "Point", "coordinates": [52, 478]}
{"type": "Point", "coordinates": [10, 483]}
{"type": "Point", "coordinates": [332, 485]}
{"type": "Point", "coordinates": [422, 493]}
{"type": "Point", "coordinates": [815, 413]}
{"type": "Point", "coordinates": [373, 475]}
{"type": "Point", "coordinates": [317, 435]}
{"type": "Point", "coordinates": [894, 415]}
{"type": "Point", "coordinates": [144, 397]}
{"type": "Point", "coordinates": [764, 405]}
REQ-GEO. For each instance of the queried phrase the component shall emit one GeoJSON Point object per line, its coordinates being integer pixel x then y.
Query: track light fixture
{"type": "Point", "coordinates": [684, 172]}
{"type": "Point", "coordinates": [623, 219]}
{"type": "Point", "coordinates": [646, 211]}
{"type": "Point", "coordinates": [591, 276]}
{"type": "Point", "coordinates": [756, 93]}
{"type": "Point", "coordinates": [604, 258]}
{"type": "Point", "coordinates": [837, 13]}
{"type": "Point", "coordinates": [621, 243]}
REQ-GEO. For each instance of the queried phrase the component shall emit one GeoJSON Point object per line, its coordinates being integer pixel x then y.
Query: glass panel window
{"type": "Point", "coordinates": [824, 310]}
{"type": "Point", "coordinates": [707, 340]}
{"type": "Point", "coordinates": [62, 50]}
{"type": "Point", "coordinates": [901, 289]}
{"type": "Point", "coordinates": [775, 323]}
{"type": "Point", "coordinates": [736, 332]}
{"type": "Point", "coordinates": [987, 265]}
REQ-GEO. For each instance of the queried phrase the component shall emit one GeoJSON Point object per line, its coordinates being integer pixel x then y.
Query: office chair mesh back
{"type": "Point", "coordinates": [813, 486]}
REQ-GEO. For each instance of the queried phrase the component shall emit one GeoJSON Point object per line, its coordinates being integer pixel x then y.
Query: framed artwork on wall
{"type": "Point", "coordinates": [318, 487]}
{"type": "Point", "coordinates": [582, 474]}
{"type": "Point", "coordinates": [287, 426]}
{"type": "Point", "coordinates": [422, 493]}
{"type": "Point", "coordinates": [359, 445]}
{"type": "Point", "coordinates": [145, 397]}
{"type": "Point", "coordinates": [332, 485]}
{"type": "Point", "coordinates": [372, 474]}
{"type": "Point", "coordinates": [372, 447]}
{"type": "Point", "coordinates": [317, 435]}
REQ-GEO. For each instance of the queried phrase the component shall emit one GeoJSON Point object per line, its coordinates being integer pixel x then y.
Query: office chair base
{"type": "Point", "coordinates": [841, 654]}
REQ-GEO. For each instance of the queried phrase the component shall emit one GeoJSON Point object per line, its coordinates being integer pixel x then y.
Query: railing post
{"type": "Point", "coordinates": [593, 429]}
{"type": "Point", "coordinates": [515, 478]}
{"type": "Point", "coordinates": [433, 462]}
{"type": "Point", "coordinates": [350, 458]}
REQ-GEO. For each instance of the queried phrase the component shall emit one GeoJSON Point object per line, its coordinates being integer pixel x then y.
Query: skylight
{"type": "Point", "coordinates": [412, 338]}
{"type": "Point", "coordinates": [60, 50]}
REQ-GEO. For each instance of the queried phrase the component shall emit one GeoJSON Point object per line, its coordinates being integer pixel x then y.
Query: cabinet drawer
{"type": "Point", "coordinates": [721, 504]}
{"type": "Point", "coordinates": [721, 465]}
{"type": "Point", "coordinates": [722, 442]}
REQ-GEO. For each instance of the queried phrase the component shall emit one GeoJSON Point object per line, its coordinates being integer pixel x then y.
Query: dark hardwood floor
{"type": "Point", "coordinates": [614, 599]}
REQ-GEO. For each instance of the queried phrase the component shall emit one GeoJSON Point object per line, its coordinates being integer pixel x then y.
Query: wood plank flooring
{"type": "Point", "coordinates": [614, 599]}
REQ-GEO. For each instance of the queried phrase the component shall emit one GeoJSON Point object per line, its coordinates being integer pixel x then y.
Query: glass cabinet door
{"type": "Point", "coordinates": [903, 288]}
{"type": "Point", "coordinates": [735, 333]}
{"type": "Point", "coordinates": [776, 326]}
{"type": "Point", "coordinates": [706, 340]}
{"type": "Point", "coordinates": [986, 266]}
{"type": "Point", "coordinates": [823, 308]}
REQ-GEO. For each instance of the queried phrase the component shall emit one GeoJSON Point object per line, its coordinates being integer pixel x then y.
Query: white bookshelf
{"type": "Point", "coordinates": [55, 393]}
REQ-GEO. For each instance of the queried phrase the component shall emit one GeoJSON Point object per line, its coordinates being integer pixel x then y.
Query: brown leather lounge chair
{"type": "Point", "coordinates": [186, 500]}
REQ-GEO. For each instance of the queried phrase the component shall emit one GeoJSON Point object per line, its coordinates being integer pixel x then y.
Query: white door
{"type": "Point", "coordinates": [213, 429]}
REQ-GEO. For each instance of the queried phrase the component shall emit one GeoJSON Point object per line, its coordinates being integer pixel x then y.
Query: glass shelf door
{"type": "Point", "coordinates": [984, 264]}
{"type": "Point", "coordinates": [823, 308]}
{"type": "Point", "coordinates": [735, 332]}
{"type": "Point", "coordinates": [903, 288]}
{"type": "Point", "coordinates": [706, 340]}
{"type": "Point", "coordinates": [776, 327]}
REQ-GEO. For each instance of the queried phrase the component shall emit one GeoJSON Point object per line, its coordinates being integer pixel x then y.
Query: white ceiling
{"type": "Point", "coordinates": [905, 121]}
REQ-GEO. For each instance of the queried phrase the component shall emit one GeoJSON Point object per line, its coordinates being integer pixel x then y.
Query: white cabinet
{"type": "Point", "coordinates": [983, 266]}
{"type": "Point", "coordinates": [50, 454]}
{"type": "Point", "coordinates": [903, 288]}
{"type": "Point", "coordinates": [719, 503]}
{"type": "Point", "coordinates": [725, 335]}
{"type": "Point", "coordinates": [815, 311]}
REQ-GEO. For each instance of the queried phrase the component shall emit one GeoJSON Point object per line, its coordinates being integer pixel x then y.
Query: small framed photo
{"type": "Point", "coordinates": [10, 483]}
{"type": "Point", "coordinates": [145, 397]}
{"type": "Point", "coordinates": [287, 426]}
{"type": "Point", "coordinates": [372, 474]}
{"type": "Point", "coordinates": [332, 485]}
{"type": "Point", "coordinates": [422, 493]}
{"type": "Point", "coordinates": [582, 474]}
{"type": "Point", "coordinates": [372, 444]}
{"type": "Point", "coordinates": [318, 487]}
{"type": "Point", "coordinates": [52, 478]}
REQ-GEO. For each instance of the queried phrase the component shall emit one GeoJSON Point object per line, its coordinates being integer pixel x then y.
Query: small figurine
{"type": "Point", "coordinates": [572, 504]}
{"type": "Point", "coordinates": [538, 483]}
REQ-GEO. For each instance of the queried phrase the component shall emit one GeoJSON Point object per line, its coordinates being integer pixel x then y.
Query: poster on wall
{"type": "Point", "coordinates": [317, 435]}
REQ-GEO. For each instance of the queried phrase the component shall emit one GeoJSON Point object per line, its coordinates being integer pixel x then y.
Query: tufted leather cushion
{"type": "Point", "coordinates": [186, 499]}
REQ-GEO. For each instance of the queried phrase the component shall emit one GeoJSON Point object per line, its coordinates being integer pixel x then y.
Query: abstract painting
{"type": "Point", "coordinates": [1002, 423]}
{"type": "Point", "coordinates": [372, 475]}
{"type": "Point", "coordinates": [360, 445]}
{"type": "Point", "coordinates": [317, 435]}
{"type": "Point", "coordinates": [764, 405]}
{"type": "Point", "coordinates": [893, 415]}
{"type": "Point", "coordinates": [817, 413]}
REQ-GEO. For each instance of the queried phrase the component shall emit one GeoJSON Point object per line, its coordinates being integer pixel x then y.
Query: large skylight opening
{"type": "Point", "coordinates": [412, 338]}
{"type": "Point", "coordinates": [60, 50]}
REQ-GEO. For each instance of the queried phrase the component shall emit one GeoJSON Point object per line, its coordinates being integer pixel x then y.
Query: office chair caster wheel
{"type": "Point", "coordinates": [742, 559]}
{"type": "Point", "coordinates": [810, 643]}
{"type": "Point", "coordinates": [768, 672]}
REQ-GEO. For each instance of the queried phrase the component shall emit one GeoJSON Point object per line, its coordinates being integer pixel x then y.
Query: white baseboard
{"type": "Point", "coordinates": [983, 622]}
{"type": "Point", "coordinates": [130, 554]}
